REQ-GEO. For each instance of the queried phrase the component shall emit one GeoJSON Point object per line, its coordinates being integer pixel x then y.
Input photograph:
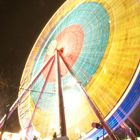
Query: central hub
{"type": "Point", "coordinates": [54, 46]}
{"type": "Point", "coordinates": [61, 50]}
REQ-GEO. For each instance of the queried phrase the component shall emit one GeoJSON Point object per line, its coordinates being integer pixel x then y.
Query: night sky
{"type": "Point", "coordinates": [21, 21]}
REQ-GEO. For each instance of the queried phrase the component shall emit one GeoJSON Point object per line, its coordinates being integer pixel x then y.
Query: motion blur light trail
{"type": "Point", "coordinates": [100, 41]}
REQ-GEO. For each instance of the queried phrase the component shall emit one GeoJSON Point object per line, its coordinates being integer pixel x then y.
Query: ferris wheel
{"type": "Point", "coordinates": [83, 68]}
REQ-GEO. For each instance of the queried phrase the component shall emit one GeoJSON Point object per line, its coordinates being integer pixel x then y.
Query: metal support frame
{"type": "Point", "coordinates": [131, 120]}
{"type": "Point", "coordinates": [4, 124]}
{"type": "Point", "coordinates": [92, 104]}
{"type": "Point", "coordinates": [99, 115]}
{"type": "Point", "coordinates": [25, 92]}
{"type": "Point", "coordinates": [60, 96]}
{"type": "Point", "coordinates": [41, 93]}
{"type": "Point", "coordinates": [59, 92]}
{"type": "Point", "coordinates": [130, 134]}
{"type": "Point", "coordinates": [125, 127]}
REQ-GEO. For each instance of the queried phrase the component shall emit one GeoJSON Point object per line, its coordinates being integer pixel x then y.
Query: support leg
{"type": "Point", "coordinates": [24, 93]}
{"type": "Point", "coordinates": [128, 131]}
{"type": "Point", "coordinates": [41, 93]}
{"type": "Point", "coordinates": [60, 97]}
{"type": "Point", "coordinates": [92, 104]}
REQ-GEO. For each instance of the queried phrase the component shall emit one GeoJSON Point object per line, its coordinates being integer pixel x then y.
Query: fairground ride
{"type": "Point", "coordinates": [83, 71]}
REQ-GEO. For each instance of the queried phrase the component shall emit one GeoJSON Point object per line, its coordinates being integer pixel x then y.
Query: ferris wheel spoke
{"type": "Point", "coordinates": [91, 102]}
{"type": "Point", "coordinates": [41, 93]}
{"type": "Point", "coordinates": [24, 93]}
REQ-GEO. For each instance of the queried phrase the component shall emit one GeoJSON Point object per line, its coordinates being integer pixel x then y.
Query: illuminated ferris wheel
{"type": "Point", "coordinates": [84, 68]}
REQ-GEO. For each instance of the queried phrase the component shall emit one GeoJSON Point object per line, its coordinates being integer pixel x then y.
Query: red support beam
{"type": "Point", "coordinates": [41, 93]}
{"type": "Point", "coordinates": [130, 134]}
{"type": "Point", "coordinates": [92, 104]}
{"type": "Point", "coordinates": [131, 120]}
{"type": "Point", "coordinates": [60, 96]}
{"type": "Point", "coordinates": [24, 93]}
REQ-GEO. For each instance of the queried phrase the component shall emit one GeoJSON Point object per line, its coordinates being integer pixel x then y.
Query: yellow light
{"type": "Point", "coordinates": [83, 134]}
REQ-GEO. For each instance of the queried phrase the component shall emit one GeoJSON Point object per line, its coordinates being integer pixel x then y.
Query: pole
{"type": "Point", "coordinates": [128, 131]}
{"type": "Point", "coordinates": [92, 104]}
{"type": "Point", "coordinates": [60, 96]}
{"type": "Point", "coordinates": [98, 114]}
{"type": "Point", "coordinates": [41, 93]}
{"type": "Point", "coordinates": [125, 127]}
{"type": "Point", "coordinates": [5, 121]}
{"type": "Point", "coordinates": [103, 133]}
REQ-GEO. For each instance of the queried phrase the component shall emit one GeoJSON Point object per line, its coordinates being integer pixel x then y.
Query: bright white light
{"type": "Point", "coordinates": [77, 131]}
{"type": "Point", "coordinates": [10, 136]}
{"type": "Point", "coordinates": [36, 133]}
{"type": "Point", "coordinates": [4, 136]}
{"type": "Point", "coordinates": [66, 51]}
{"type": "Point", "coordinates": [83, 134]}
{"type": "Point", "coordinates": [22, 133]}
{"type": "Point", "coordinates": [72, 98]}
{"type": "Point", "coordinates": [51, 48]}
{"type": "Point", "coordinates": [71, 82]}
{"type": "Point", "coordinates": [52, 126]}
{"type": "Point", "coordinates": [15, 137]}
{"type": "Point", "coordinates": [47, 139]}
{"type": "Point", "coordinates": [54, 43]}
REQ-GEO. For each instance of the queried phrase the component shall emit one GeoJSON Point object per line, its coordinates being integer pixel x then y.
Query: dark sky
{"type": "Point", "coordinates": [21, 21]}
